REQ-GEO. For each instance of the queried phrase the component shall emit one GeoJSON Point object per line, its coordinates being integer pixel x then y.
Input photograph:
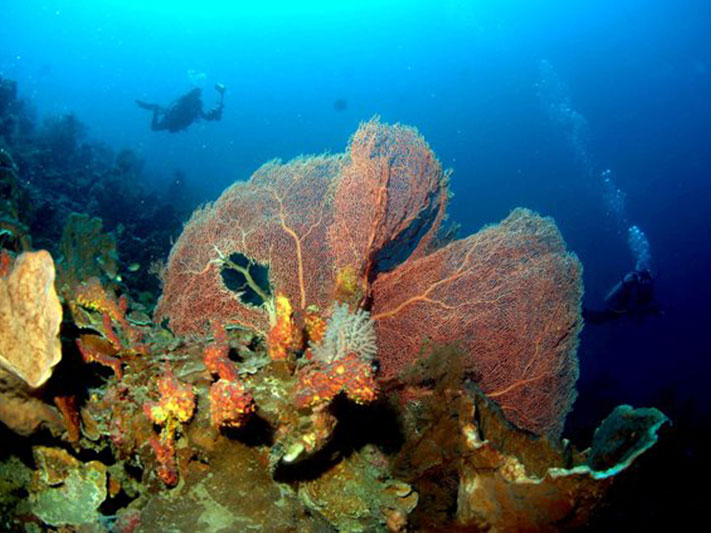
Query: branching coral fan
{"type": "Point", "coordinates": [365, 228]}
{"type": "Point", "coordinates": [510, 295]}
{"type": "Point", "coordinates": [277, 221]}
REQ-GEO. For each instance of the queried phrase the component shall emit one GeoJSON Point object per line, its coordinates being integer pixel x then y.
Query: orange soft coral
{"type": "Point", "coordinates": [314, 326]}
{"type": "Point", "coordinates": [92, 295]}
{"type": "Point", "coordinates": [321, 382]}
{"type": "Point", "coordinates": [175, 407]}
{"type": "Point", "coordinates": [231, 404]}
{"type": "Point", "coordinates": [165, 455]}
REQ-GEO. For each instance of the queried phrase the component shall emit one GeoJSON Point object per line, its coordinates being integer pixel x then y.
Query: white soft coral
{"type": "Point", "coordinates": [346, 333]}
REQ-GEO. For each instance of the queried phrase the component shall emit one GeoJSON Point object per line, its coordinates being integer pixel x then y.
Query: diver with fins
{"type": "Point", "coordinates": [184, 111]}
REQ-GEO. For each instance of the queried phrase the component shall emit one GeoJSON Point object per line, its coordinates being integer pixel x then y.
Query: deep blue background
{"type": "Point", "coordinates": [465, 73]}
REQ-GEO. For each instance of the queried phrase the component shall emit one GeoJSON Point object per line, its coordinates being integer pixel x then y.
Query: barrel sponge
{"type": "Point", "coordinates": [30, 316]}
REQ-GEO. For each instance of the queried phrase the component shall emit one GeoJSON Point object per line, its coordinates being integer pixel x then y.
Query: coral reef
{"type": "Point", "coordinates": [56, 169]}
{"type": "Point", "coordinates": [23, 410]}
{"type": "Point", "coordinates": [65, 491]}
{"type": "Point", "coordinates": [15, 207]}
{"type": "Point", "coordinates": [284, 335]}
{"type": "Point", "coordinates": [230, 404]}
{"type": "Point", "coordinates": [542, 489]}
{"type": "Point", "coordinates": [323, 381]}
{"type": "Point", "coordinates": [335, 361]}
{"type": "Point", "coordinates": [174, 407]}
{"type": "Point", "coordinates": [87, 252]}
{"type": "Point", "coordinates": [511, 292]}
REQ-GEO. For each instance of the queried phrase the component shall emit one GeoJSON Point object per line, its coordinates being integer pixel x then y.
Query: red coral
{"type": "Point", "coordinates": [95, 349]}
{"type": "Point", "coordinates": [231, 403]}
{"type": "Point", "coordinates": [5, 263]}
{"type": "Point", "coordinates": [279, 218]}
{"type": "Point", "coordinates": [306, 220]}
{"type": "Point", "coordinates": [392, 195]}
{"type": "Point", "coordinates": [67, 405]}
{"type": "Point", "coordinates": [165, 455]}
{"type": "Point", "coordinates": [321, 382]}
{"type": "Point", "coordinates": [338, 227]}
{"type": "Point", "coordinates": [510, 295]}
{"type": "Point", "coordinates": [217, 352]}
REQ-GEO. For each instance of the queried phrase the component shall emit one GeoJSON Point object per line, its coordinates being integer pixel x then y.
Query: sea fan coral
{"type": "Point", "coordinates": [390, 200]}
{"type": "Point", "coordinates": [260, 238]}
{"type": "Point", "coordinates": [363, 229]}
{"type": "Point", "coordinates": [347, 332]}
{"type": "Point", "coordinates": [510, 295]}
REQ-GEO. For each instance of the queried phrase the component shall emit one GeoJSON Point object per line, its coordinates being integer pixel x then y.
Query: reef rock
{"type": "Point", "coordinates": [512, 481]}
{"type": "Point", "coordinates": [65, 491]}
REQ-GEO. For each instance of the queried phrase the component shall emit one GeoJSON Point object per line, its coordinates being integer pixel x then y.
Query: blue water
{"type": "Point", "coordinates": [633, 76]}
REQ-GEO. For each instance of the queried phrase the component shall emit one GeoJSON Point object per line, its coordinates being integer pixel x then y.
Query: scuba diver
{"type": "Point", "coordinates": [184, 111]}
{"type": "Point", "coordinates": [633, 297]}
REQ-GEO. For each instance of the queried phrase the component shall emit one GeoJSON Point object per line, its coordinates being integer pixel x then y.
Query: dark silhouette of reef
{"type": "Point", "coordinates": [58, 170]}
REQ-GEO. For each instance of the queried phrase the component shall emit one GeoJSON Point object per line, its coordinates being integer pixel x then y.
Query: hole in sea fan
{"type": "Point", "coordinates": [247, 278]}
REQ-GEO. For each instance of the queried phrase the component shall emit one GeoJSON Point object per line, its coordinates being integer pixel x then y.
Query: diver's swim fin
{"type": "Point", "coordinates": [144, 105]}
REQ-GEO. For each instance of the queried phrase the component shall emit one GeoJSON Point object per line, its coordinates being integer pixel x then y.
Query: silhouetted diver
{"type": "Point", "coordinates": [184, 111]}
